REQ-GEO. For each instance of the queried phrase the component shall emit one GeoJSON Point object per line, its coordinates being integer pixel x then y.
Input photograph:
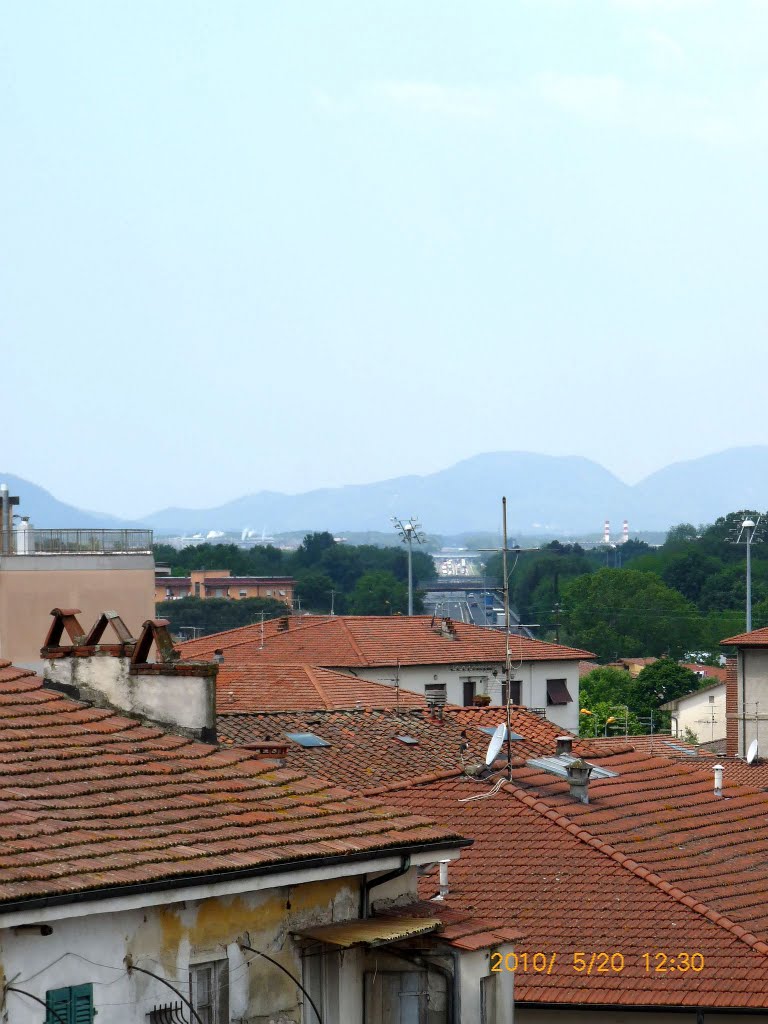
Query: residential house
{"type": "Point", "coordinates": [747, 692]}
{"type": "Point", "coordinates": [204, 583]}
{"type": "Point", "coordinates": [700, 713]}
{"type": "Point", "coordinates": [151, 877]}
{"type": "Point", "coordinates": [453, 662]}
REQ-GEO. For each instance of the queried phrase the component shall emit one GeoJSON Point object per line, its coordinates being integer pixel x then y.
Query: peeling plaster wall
{"type": "Point", "coordinates": [184, 702]}
{"type": "Point", "coordinates": [167, 939]}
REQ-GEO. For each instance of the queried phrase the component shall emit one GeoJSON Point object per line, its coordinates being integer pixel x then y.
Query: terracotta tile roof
{"type": "Point", "coordinates": [258, 686]}
{"type": "Point", "coordinates": [460, 929]}
{"type": "Point", "coordinates": [351, 641]}
{"type": "Point", "coordinates": [569, 892]}
{"type": "Point", "coordinates": [660, 743]}
{"type": "Point", "coordinates": [757, 638]}
{"type": "Point", "coordinates": [663, 814]}
{"type": "Point", "coordinates": [90, 800]}
{"type": "Point", "coordinates": [365, 752]}
{"type": "Point", "coordinates": [735, 770]}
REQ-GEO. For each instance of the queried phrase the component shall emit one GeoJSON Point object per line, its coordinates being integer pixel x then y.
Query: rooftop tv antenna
{"type": "Point", "coordinates": [409, 532]}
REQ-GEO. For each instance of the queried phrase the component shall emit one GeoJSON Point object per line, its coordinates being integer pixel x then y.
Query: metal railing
{"type": "Point", "coordinates": [78, 542]}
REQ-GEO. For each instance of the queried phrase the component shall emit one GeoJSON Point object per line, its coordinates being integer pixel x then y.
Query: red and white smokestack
{"type": "Point", "coordinates": [607, 532]}
{"type": "Point", "coordinates": [625, 532]}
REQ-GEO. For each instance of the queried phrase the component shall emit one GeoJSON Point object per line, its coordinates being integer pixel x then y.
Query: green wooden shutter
{"type": "Point", "coordinates": [72, 1005]}
{"type": "Point", "coordinates": [81, 1005]}
{"type": "Point", "coordinates": [58, 1002]}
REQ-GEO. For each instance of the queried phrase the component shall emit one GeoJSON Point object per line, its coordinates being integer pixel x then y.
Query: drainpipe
{"type": "Point", "coordinates": [365, 891]}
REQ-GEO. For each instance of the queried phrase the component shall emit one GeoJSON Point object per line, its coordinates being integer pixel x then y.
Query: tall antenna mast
{"type": "Point", "coordinates": [507, 655]}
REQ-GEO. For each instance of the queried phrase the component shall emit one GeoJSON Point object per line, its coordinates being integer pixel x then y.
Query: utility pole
{"type": "Point", "coordinates": [409, 531]}
{"type": "Point", "coordinates": [507, 655]}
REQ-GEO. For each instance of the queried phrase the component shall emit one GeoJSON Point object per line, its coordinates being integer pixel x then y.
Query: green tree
{"type": "Point", "coordinates": [313, 547]}
{"type": "Point", "coordinates": [214, 614]}
{"type": "Point", "coordinates": [625, 612]}
{"type": "Point", "coordinates": [661, 681]}
{"type": "Point", "coordinates": [379, 593]}
{"type": "Point", "coordinates": [606, 685]}
{"type": "Point", "coordinates": [314, 591]}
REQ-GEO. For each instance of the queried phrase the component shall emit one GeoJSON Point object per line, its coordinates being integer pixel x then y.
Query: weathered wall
{"type": "Point", "coordinates": [184, 702]}
{"type": "Point", "coordinates": [167, 939]}
{"type": "Point", "coordinates": [31, 585]}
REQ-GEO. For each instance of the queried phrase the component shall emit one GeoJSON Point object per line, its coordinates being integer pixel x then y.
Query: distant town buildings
{"type": "Point", "coordinates": [205, 583]}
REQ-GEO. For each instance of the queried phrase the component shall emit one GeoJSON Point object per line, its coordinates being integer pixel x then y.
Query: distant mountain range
{"type": "Point", "coordinates": [546, 494]}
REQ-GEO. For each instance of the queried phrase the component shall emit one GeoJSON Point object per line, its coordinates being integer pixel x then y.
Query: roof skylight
{"type": "Point", "coordinates": [307, 739]}
{"type": "Point", "coordinates": [408, 740]}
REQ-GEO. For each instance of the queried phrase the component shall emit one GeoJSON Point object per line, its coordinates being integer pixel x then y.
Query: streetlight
{"type": "Point", "coordinates": [409, 532]}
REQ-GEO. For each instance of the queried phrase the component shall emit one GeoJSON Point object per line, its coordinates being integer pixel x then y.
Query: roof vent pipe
{"type": "Point", "coordinates": [578, 780]}
{"type": "Point", "coordinates": [718, 768]}
{"type": "Point", "coordinates": [564, 744]}
{"type": "Point", "coordinates": [444, 889]}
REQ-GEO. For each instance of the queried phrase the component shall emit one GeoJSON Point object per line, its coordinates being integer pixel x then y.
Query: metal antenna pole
{"type": "Point", "coordinates": [750, 534]}
{"type": "Point", "coordinates": [507, 657]}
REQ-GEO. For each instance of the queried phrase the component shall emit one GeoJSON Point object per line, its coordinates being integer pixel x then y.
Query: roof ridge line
{"type": "Point", "coordinates": [637, 869]}
{"type": "Point", "coordinates": [309, 671]}
{"type": "Point", "coordinates": [446, 773]}
{"type": "Point", "coordinates": [352, 640]}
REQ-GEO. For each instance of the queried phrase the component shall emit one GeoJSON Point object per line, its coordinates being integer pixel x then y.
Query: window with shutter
{"type": "Point", "coordinates": [73, 1005]}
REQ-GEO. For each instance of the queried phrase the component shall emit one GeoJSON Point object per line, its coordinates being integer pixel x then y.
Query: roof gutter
{"type": "Point", "coordinates": [211, 878]}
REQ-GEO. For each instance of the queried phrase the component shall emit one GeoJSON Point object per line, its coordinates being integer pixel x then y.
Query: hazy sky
{"type": "Point", "coordinates": [280, 245]}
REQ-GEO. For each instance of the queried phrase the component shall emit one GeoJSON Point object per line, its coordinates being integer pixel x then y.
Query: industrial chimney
{"type": "Point", "coordinates": [625, 532]}
{"type": "Point", "coordinates": [607, 532]}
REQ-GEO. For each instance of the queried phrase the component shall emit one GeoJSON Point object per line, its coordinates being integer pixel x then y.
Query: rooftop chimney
{"type": "Point", "coordinates": [564, 745]}
{"type": "Point", "coordinates": [283, 624]}
{"type": "Point", "coordinates": [180, 696]}
{"type": "Point", "coordinates": [578, 780]}
{"type": "Point", "coordinates": [718, 769]}
{"type": "Point", "coordinates": [218, 656]}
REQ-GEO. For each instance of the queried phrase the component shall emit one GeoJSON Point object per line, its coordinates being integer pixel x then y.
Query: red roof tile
{"type": "Point", "coordinates": [349, 641]}
{"type": "Point", "coordinates": [568, 893]}
{"type": "Point", "coordinates": [756, 638]}
{"type": "Point", "coordinates": [365, 752]}
{"type": "Point", "coordinates": [258, 686]}
{"type": "Point", "coordinates": [91, 800]}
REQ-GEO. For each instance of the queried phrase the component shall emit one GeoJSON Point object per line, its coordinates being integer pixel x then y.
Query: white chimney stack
{"type": "Point", "coordinates": [625, 532]}
{"type": "Point", "coordinates": [607, 532]}
{"type": "Point", "coordinates": [718, 780]}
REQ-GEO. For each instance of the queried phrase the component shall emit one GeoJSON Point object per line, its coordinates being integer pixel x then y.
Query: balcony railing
{"type": "Point", "coordinates": [77, 542]}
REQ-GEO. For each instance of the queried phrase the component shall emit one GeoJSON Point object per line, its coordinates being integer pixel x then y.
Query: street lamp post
{"type": "Point", "coordinates": [409, 531]}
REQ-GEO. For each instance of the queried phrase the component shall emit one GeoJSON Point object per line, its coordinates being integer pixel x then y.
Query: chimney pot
{"type": "Point", "coordinates": [218, 656]}
{"type": "Point", "coordinates": [718, 769]}
{"type": "Point", "coordinates": [564, 744]}
{"type": "Point", "coordinates": [578, 780]}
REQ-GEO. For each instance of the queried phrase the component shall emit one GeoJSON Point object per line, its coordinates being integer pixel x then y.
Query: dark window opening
{"type": "Point", "coordinates": [557, 692]}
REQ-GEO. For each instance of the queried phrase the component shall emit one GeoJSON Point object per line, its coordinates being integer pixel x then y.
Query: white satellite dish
{"type": "Point", "coordinates": [496, 741]}
{"type": "Point", "coordinates": [752, 752]}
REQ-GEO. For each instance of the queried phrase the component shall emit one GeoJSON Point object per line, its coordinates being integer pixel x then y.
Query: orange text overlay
{"type": "Point", "coordinates": [600, 962]}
